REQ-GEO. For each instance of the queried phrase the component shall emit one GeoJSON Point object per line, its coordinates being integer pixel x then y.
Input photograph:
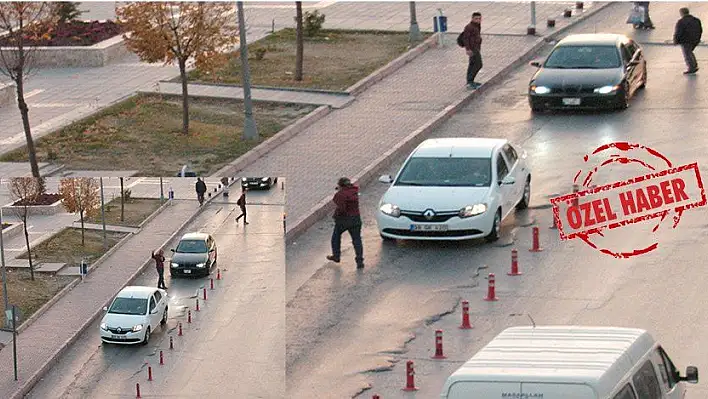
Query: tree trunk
{"type": "Point", "coordinates": [24, 111]}
{"type": "Point", "coordinates": [81, 214]}
{"type": "Point", "coordinates": [27, 243]}
{"type": "Point", "coordinates": [299, 41]}
{"type": "Point", "coordinates": [185, 95]}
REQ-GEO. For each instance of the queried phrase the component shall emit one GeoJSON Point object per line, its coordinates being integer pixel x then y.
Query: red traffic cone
{"type": "Point", "coordinates": [466, 325]}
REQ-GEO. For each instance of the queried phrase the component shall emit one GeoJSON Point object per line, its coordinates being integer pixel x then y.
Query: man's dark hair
{"type": "Point", "coordinates": [684, 11]}
{"type": "Point", "coordinates": [476, 14]}
{"type": "Point", "coordinates": [344, 182]}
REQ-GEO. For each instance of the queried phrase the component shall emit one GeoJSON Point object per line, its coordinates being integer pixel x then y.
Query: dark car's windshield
{"type": "Point", "coordinates": [192, 247]}
{"type": "Point", "coordinates": [134, 306]}
{"type": "Point", "coordinates": [583, 57]}
{"type": "Point", "coordinates": [453, 172]}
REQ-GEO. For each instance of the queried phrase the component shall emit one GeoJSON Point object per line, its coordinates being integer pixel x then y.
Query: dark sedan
{"type": "Point", "coordinates": [195, 255]}
{"type": "Point", "coordinates": [258, 183]}
{"type": "Point", "coordinates": [588, 71]}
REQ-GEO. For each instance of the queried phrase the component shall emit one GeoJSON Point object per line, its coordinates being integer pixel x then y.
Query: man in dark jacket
{"type": "Point", "coordinates": [201, 190]}
{"type": "Point", "coordinates": [688, 34]}
{"type": "Point", "coordinates": [242, 205]}
{"type": "Point", "coordinates": [347, 218]}
{"type": "Point", "coordinates": [159, 257]}
{"type": "Point", "coordinates": [472, 38]}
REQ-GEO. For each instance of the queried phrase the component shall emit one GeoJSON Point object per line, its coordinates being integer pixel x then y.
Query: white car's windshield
{"type": "Point", "coordinates": [192, 246]}
{"type": "Point", "coordinates": [583, 57]}
{"type": "Point", "coordinates": [446, 172]}
{"type": "Point", "coordinates": [133, 306]}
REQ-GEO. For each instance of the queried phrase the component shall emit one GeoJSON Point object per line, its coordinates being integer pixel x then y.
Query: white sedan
{"type": "Point", "coordinates": [133, 315]}
{"type": "Point", "coordinates": [455, 189]}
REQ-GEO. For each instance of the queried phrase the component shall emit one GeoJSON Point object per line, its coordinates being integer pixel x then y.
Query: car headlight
{"type": "Point", "coordinates": [540, 89]}
{"type": "Point", "coordinates": [104, 326]}
{"type": "Point", "coordinates": [243, 179]}
{"type": "Point", "coordinates": [390, 210]}
{"type": "Point", "coordinates": [606, 89]}
{"type": "Point", "coordinates": [173, 264]}
{"type": "Point", "coordinates": [137, 328]}
{"type": "Point", "coordinates": [472, 210]}
{"type": "Point", "coordinates": [200, 264]}
{"type": "Point", "coordinates": [265, 179]}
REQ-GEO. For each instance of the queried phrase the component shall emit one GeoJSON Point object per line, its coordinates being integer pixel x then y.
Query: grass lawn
{"type": "Point", "coordinates": [333, 60]}
{"type": "Point", "coordinates": [30, 295]}
{"type": "Point", "coordinates": [65, 247]}
{"type": "Point", "coordinates": [144, 133]}
{"type": "Point", "coordinates": [135, 211]}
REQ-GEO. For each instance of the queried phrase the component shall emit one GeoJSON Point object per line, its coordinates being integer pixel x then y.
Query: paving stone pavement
{"type": "Point", "coordinates": [350, 139]}
{"type": "Point", "coordinates": [71, 311]}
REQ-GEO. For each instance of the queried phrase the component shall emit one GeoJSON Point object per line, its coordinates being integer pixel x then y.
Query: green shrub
{"type": "Point", "coordinates": [67, 11]}
{"type": "Point", "coordinates": [313, 22]}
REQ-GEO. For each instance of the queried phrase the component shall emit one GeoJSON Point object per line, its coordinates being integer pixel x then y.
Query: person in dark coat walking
{"type": "Point", "coordinates": [242, 204]}
{"type": "Point", "coordinates": [472, 39]}
{"type": "Point", "coordinates": [347, 218]}
{"type": "Point", "coordinates": [201, 189]}
{"type": "Point", "coordinates": [647, 24]}
{"type": "Point", "coordinates": [159, 257]}
{"type": "Point", "coordinates": [688, 34]}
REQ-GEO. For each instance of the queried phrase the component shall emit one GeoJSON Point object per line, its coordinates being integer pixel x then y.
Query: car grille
{"type": "Point", "coordinates": [120, 340]}
{"type": "Point", "coordinates": [574, 90]}
{"type": "Point", "coordinates": [449, 233]}
{"type": "Point", "coordinates": [438, 218]}
{"type": "Point", "coordinates": [114, 330]}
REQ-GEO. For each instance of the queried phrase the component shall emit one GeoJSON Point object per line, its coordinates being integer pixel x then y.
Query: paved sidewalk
{"type": "Point", "coordinates": [72, 311]}
{"type": "Point", "coordinates": [257, 94]}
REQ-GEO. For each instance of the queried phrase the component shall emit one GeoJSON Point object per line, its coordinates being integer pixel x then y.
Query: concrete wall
{"type": "Point", "coordinates": [98, 55]}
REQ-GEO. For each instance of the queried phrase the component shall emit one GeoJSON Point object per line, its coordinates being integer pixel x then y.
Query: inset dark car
{"type": "Point", "coordinates": [195, 255]}
{"type": "Point", "coordinates": [258, 183]}
{"type": "Point", "coordinates": [588, 71]}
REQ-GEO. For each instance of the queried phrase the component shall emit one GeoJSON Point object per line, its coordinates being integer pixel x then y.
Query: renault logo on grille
{"type": "Point", "coordinates": [429, 214]}
{"type": "Point", "coordinates": [118, 329]}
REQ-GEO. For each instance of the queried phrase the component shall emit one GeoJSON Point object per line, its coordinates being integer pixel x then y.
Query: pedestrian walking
{"type": "Point", "coordinates": [347, 218]}
{"type": "Point", "coordinates": [688, 34]}
{"type": "Point", "coordinates": [242, 204]}
{"type": "Point", "coordinates": [201, 190]}
{"type": "Point", "coordinates": [472, 39]}
{"type": "Point", "coordinates": [645, 21]}
{"type": "Point", "coordinates": [159, 257]}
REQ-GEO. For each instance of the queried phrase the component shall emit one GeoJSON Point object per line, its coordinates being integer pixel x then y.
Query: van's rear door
{"type": "Point", "coordinates": [530, 390]}
{"type": "Point", "coordinates": [483, 390]}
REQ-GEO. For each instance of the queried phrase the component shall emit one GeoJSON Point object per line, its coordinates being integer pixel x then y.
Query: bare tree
{"type": "Point", "coordinates": [25, 191]}
{"type": "Point", "coordinates": [17, 18]}
{"type": "Point", "coordinates": [299, 44]}
{"type": "Point", "coordinates": [80, 195]}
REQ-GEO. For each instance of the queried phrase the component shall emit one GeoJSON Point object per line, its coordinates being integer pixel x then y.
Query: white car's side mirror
{"type": "Point", "coordinates": [105, 308]}
{"type": "Point", "coordinates": [386, 179]}
{"type": "Point", "coordinates": [507, 181]}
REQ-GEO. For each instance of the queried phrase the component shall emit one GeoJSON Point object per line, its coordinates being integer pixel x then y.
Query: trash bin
{"type": "Point", "coordinates": [84, 268]}
{"type": "Point", "coordinates": [440, 24]}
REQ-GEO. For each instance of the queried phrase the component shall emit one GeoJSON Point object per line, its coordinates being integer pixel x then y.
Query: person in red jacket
{"type": "Point", "coordinates": [472, 39]}
{"type": "Point", "coordinates": [159, 258]}
{"type": "Point", "coordinates": [347, 218]}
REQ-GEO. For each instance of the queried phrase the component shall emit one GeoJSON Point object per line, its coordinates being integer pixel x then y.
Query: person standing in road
{"type": "Point", "coordinates": [347, 218]}
{"type": "Point", "coordinates": [472, 39]}
{"type": "Point", "coordinates": [688, 34]}
{"type": "Point", "coordinates": [646, 24]}
{"type": "Point", "coordinates": [159, 257]}
{"type": "Point", "coordinates": [242, 204]}
{"type": "Point", "coordinates": [201, 190]}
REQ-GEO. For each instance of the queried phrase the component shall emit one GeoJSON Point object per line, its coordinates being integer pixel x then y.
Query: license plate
{"type": "Point", "coordinates": [571, 101]}
{"type": "Point", "coordinates": [428, 227]}
{"type": "Point", "coordinates": [187, 271]}
{"type": "Point", "coordinates": [118, 337]}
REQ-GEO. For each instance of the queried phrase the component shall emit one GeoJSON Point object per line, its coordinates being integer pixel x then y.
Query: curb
{"type": "Point", "coordinates": [175, 96]}
{"type": "Point", "coordinates": [13, 231]}
{"type": "Point", "coordinates": [54, 358]}
{"type": "Point", "coordinates": [393, 66]}
{"type": "Point", "coordinates": [153, 215]}
{"type": "Point", "coordinates": [326, 206]}
{"type": "Point", "coordinates": [269, 145]}
{"type": "Point", "coordinates": [271, 88]}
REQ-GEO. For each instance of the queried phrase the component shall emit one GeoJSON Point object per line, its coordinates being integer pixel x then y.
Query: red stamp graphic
{"type": "Point", "coordinates": [592, 210]}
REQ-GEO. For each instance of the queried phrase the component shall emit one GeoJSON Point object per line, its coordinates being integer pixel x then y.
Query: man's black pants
{"type": "Point", "coordinates": [243, 213]}
{"type": "Point", "coordinates": [352, 224]}
{"type": "Point", "coordinates": [161, 278]}
{"type": "Point", "coordinates": [474, 66]}
{"type": "Point", "coordinates": [689, 57]}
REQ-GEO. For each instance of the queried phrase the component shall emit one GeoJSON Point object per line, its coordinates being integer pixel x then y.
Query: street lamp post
{"type": "Point", "coordinates": [249, 124]}
{"type": "Point", "coordinates": [415, 35]}
{"type": "Point", "coordinates": [531, 30]}
{"type": "Point", "coordinates": [103, 217]}
{"type": "Point", "coordinates": [4, 274]}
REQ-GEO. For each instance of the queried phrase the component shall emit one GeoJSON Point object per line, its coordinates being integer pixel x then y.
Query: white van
{"type": "Point", "coordinates": [569, 362]}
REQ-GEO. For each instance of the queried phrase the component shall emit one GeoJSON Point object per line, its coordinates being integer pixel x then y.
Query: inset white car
{"type": "Point", "coordinates": [133, 315]}
{"type": "Point", "coordinates": [455, 189]}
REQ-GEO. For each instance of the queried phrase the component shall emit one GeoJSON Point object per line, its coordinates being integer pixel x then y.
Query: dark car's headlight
{"type": "Point", "coordinates": [607, 89]}
{"type": "Point", "coordinates": [174, 264]}
{"type": "Point", "coordinates": [539, 89]}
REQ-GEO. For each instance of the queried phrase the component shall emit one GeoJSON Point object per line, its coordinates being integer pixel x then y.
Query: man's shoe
{"type": "Point", "coordinates": [470, 86]}
{"type": "Point", "coordinates": [331, 258]}
{"type": "Point", "coordinates": [690, 71]}
{"type": "Point", "coordinates": [359, 265]}
{"type": "Point", "coordinates": [476, 85]}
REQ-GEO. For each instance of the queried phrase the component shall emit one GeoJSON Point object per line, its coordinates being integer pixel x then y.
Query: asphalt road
{"type": "Point", "coordinates": [350, 332]}
{"type": "Point", "coordinates": [235, 340]}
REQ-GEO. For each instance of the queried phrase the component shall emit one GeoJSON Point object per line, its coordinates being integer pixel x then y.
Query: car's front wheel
{"type": "Point", "coordinates": [526, 198]}
{"type": "Point", "coordinates": [164, 317]}
{"type": "Point", "coordinates": [147, 336]}
{"type": "Point", "coordinates": [624, 97]}
{"type": "Point", "coordinates": [496, 228]}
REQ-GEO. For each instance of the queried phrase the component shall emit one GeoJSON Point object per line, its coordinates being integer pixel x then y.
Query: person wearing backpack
{"type": "Point", "coordinates": [242, 204]}
{"type": "Point", "coordinates": [471, 40]}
